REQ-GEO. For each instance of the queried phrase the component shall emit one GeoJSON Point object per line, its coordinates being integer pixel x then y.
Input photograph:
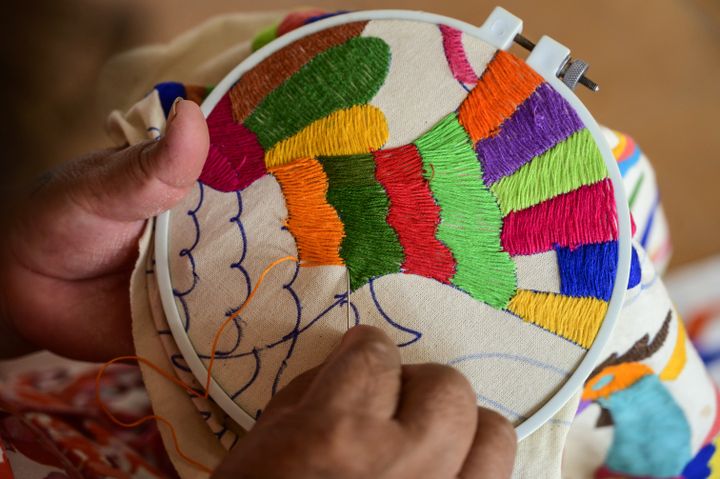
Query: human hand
{"type": "Point", "coordinates": [67, 259]}
{"type": "Point", "coordinates": [362, 414]}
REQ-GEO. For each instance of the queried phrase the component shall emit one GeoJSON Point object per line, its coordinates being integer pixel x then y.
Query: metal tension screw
{"type": "Point", "coordinates": [572, 71]}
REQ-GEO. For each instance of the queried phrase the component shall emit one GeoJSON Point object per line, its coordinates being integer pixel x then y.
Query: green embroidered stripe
{"type": "Point", "coordinates": [565, 167]}
{"type": "Point", "coordinates": [343, 76]}
{"type": "Point", "coordinates": [371, 247]}
{"type": "Point", "coordinates": [470, 220]}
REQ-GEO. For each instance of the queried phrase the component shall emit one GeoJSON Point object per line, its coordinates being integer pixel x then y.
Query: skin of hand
{"type": "Point", "coordinates": [68, 256]}
{"type": "Point", "coordinates": [362, 414]}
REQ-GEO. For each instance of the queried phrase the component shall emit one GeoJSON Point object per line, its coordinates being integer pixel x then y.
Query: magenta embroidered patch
{"type": "Point", "coordinates": [456, 56]}
{"type": "Point", "coordinates": [583, 216]}
{"type": "Point", "coordinates": [235, 159]}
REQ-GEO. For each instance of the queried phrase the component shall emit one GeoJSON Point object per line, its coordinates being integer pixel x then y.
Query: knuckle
{"type": "Point", "coordinates": [371, 355]}
{"type": "Point", "coordinates": [452, 382]}
{"type": "Point", "coordinates": [497, 426]}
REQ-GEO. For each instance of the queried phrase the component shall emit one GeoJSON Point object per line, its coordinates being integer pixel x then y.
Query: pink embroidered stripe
{"type": "Point", "coordinates": [583, 216]}
{"type": "Point", "coordinates": [456, 56]}
{"type": "Point", "coordinates": [235, 159]}
{"type": "Point", "coordinates": [413, 213]}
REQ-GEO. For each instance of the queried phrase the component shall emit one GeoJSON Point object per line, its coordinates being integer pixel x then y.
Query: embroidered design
{"type": "Point", "coordinates": [575, 319]}
{"type": "Point", "coordinates": [315, 224]}
{"type": "Point", "coordinates": [583, 216]}
{"type": "Point", "coordinates": [456, 56]}
{"type": "Point", "coordinates": [470, 219]}
{"type": "Point", "coordinates": [588, 270]}
{"type": "Point", "coordinates": [504, 85]}
{"type": "Point", "coordinates": [355, 130]}
{"type": "Point", "coordinates": [370, 247]}
{"type": "Point", "coordinates": [651, 435]}
{"type": "Point", "coordinates": [541, 122]}
{"type": "Point", "coordinates": [635, 269]}
{"type": "Point", "coordinates": [504, 169]}
{"type": "Point", "coordinates": [678, 358]}
{"type": "Point", "coordinates": [343, 76]}
{"type": "Point", "coordinates": [539, 180]}
{"type": "Point", "coordinates": [270, 73]}
{"type": "Point", "coordinates": [414, 215]}
{"type": "Point", "coordinates": [614, 378]}
{"type": "Point", "coordinates": [235, 159]}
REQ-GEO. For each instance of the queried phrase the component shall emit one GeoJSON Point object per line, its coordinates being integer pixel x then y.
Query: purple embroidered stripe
{"type": "Point", "coordinates": [539, 123]}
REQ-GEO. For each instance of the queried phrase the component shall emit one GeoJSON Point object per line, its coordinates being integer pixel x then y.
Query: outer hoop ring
{"type": "Point", "coordinates": [496, 33]}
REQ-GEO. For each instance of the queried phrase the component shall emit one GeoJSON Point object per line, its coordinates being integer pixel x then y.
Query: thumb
{"type": "Point", "coordinates": [143, 180]}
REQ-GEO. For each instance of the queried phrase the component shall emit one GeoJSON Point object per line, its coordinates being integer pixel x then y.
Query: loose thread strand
{"type": "Point", "coordinates": [170, 376]}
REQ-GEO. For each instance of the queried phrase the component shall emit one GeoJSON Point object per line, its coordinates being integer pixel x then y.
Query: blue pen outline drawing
{"type": "Point", "coordinates": [188, 252]}
{"type": "Point", "coordinates": [510, 357]}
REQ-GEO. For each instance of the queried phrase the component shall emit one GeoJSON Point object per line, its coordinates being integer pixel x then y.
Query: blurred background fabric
{"type": "Point", "coordinates": [658, 64]}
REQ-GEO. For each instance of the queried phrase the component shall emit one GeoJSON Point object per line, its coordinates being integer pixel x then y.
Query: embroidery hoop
{"type": "Point", "coordinates": [499, 30]}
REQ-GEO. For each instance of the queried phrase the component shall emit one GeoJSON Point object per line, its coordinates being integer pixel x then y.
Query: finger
{"type": "Point", "coordinates": [492, 454]}
{"type": "Point", "coordinates": [93, 323]}
{"type": "Point", "coordinates": [362, 375]}
{"type": "Point", "coordinates": [438, 410]}
{"type": "Point", "coordinates": [289, 396]}
{"type": "Point", "coordinates": [146, 179]}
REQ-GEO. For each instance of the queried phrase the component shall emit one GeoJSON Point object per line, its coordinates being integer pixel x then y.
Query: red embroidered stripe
{"type": "Point", "coordinates": [583, 216]}
{"type": "Point", "coordinates": [413, 213]}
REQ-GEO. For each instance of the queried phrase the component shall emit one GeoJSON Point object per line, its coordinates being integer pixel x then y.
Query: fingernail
{"type": "Point", "coordinates": [173, 109]}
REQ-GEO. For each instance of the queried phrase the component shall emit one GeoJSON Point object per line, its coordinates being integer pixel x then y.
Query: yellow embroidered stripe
{"type": "Point", "coordinates": [315, 224]}
{"type": "Point", "coordinates": [352, 131]}
{"type": "Point", "coordinates": [677, 360]}
{"type": "Point", "coordinates": [576, 319]}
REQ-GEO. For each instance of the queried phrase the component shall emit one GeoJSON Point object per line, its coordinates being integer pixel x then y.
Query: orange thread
{"type": "Point", "coordinates": [613, 379]}
{"type": "Point", "coordinates": [505, 84]}
{"type": "Point", "coordinates": [189, 389]}
{"type": "Point", "coordinates": [314, 223]}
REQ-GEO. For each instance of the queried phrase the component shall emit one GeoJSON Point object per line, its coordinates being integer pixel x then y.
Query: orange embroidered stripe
{"type": "Point", "coordinates": [505, 84]}
{"type": "Point", "coordinates": [315, 224]}
{"type": "Point", "coordinates": [350, 131]}
{"type": "Point", "coordinates": [576, 319]}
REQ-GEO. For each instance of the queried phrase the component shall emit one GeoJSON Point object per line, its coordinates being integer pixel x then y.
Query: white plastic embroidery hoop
{"type": "Point", "coordinates": [499, 30]}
